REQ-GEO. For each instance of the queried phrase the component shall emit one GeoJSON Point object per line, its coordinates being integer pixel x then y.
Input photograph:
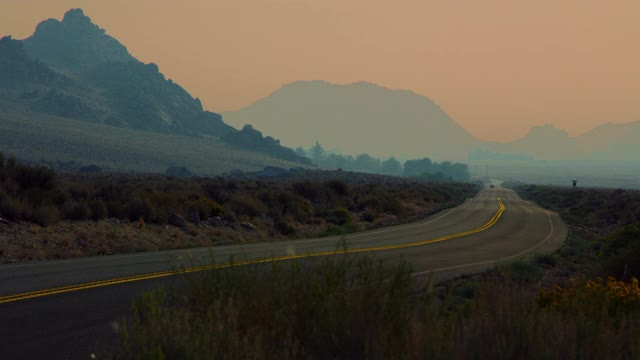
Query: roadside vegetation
{"type": "Point", "coordinates": [604, 225]}
{"type": "Point", "coordinates": [582, 302]}
{"type": "Point", "coordinates": [50, 215]}
{"type": "Point", "coordinates": [358, 308]}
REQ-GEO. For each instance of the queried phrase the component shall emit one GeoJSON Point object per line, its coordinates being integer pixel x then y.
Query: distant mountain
{"type": "Point", "coordinates": [73, 69]}
{"type": "Point", "coordinates": [605, 142]}
{"type": "Point", "coordinates": [357, 118]}
{"type": "Point", "coordinates": [543, 142]}
{"type": "Point", "coordinates": [611, 142]}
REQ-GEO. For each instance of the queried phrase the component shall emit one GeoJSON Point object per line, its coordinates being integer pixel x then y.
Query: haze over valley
{"type": "Point", "coordinates": [298, 179]}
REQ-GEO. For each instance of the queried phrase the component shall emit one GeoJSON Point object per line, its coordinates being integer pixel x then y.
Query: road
{"type": "Point", "coordinates": [57, 309]}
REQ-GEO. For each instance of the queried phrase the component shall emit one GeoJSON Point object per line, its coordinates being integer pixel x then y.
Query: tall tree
{"type": "Point", "coordinates": [366, 163]}
{"type": "Point", "coordinates": [317, 153]}
{"type": "Point", "coordinates": [300, 151]}
{"type": "Point", "coordinates": [392, 166]}
{"type": "Point", "coordinates": [414, 168]}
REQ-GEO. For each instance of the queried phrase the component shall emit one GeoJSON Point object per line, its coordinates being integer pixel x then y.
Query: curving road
{"type": "Point", "coordinates": [58, 309]}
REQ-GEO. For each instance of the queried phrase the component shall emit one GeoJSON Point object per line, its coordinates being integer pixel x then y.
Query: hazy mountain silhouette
{"type": "Point", "coordinates": [72, 68]}
{"type": "Point", "coordinates": [543, 142]}
{"type": "Point", "coordinates": [357, 118]}
{"type": "Point", "coordinates": [611, 142]}
{"type": "Point", "coordinates": [605, 142]}
{"type": "Point", "coordinates": [367, 118]}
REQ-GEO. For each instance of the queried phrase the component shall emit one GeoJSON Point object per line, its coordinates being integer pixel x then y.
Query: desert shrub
{"type": "Point", "coordinates": [578, 247]}
{"type": "Point", "coordinates": [467, 289]}
{"type": "Point", "coordinates": [284, 228]}
{"type": "Point", "coordinates": [338, 187]}
{"type": "Point", "coordinates": [308, 190]}
{"type": "Point", "coordinates": [339, 216]}
{"type": "Point", "coordinates": [281, 203]}
{"type": "Point", "coordinates": [140, 208]}
{"type": "Point", "coordinates": [368, 216]}
{"type": "Point", "coordinates": [335, 230]}
{"type": "Point", "coordinates": [289, 311]}
{"type": "Point", "coordinates": [98, 209]}
{"type": "Point", "coordinates": [12, 208]}
{"type": "Point", "coordinates": [78, 191]}
{"type": "Point", "coordinates": [594, 296]}
{"type": "Point", "coordinates": [46, 215]}
{"type": "Point", "coordinates": [207, 208]}
{"type": "Point", "coordinates": [245, 204]}
{"type": "Point", "coordinates": [520, 271]}
{"type": "Point", "coordinates": [35, 177]}
{"type": "Point", "coordinates": [77, 211]}
{"type": "Point", "coordinates": [346, 309]}
{"type": "Point", "coordinates": [621, 252]}
{"type": "Point", "coordinates": [545, 259]}
{"type": "Point", "coordinates": [392, 205]}
{"type": "Point", "coordinates": [371, 203]}
{"type": "Point", "coordinates": [116, 209]}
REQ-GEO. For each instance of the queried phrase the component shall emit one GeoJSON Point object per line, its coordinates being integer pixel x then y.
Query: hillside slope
{"type": "Point", "coordinates": [40, 137]}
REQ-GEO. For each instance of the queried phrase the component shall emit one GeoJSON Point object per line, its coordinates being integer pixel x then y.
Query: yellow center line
{"type": "Point", "coordinates": [159, 274]}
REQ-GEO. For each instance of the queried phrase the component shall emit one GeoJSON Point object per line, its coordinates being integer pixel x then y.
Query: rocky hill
{"type": "Point", "coordinates": [73, 69]}
{"type": "Point", "coordinates": [75, 44]}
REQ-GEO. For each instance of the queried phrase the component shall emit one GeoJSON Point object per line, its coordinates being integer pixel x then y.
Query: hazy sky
{"type": "Point", "coordinates": [498, 67]}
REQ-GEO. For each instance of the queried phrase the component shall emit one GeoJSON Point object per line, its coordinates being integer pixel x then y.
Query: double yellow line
{"type": "Point", "coordinates": [154, 275]}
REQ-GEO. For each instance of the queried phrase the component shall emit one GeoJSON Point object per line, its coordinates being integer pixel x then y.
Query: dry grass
{"type": "Point", "coordinates": [357, 308]}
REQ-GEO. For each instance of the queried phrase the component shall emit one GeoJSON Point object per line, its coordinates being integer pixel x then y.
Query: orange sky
{"type": "Point", "coordinates": [497, 67]}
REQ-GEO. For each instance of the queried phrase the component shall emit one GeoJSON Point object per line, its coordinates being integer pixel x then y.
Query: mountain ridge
{"type": "Point", "coordinates": [73, 69]}
{"type": "Point", "coordinates": [295, 107]}
{"type": "Point", "coordinates": [302, 112]}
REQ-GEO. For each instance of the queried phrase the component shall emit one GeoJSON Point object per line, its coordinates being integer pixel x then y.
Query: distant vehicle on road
{"type": "Point", "coordinates": [491, 186]}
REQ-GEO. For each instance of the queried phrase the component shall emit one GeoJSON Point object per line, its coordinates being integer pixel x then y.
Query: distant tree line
{"type": "Point", "coordinates": [488, 155]}
{"type": "Point", "coordinates": [423, 168]}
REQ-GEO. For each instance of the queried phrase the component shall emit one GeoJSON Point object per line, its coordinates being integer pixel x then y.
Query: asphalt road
{"type": "Point", "coordinates": [60, 309]}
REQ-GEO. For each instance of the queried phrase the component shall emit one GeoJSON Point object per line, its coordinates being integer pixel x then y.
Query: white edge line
{"type": "Point", "coordinates": [496, 260]}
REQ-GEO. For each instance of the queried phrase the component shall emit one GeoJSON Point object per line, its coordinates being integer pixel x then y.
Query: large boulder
{"type": "Point", "coordinates": [193, 217]}
{"type": "Point", "coordinates": [248, 226]}
{"type": "Point", "coordinates": [177, 221]}
{"type": "Point", "coordinates": [217, 221]}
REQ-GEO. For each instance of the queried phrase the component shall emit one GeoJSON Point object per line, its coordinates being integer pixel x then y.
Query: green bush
{"type": "Point", "coordinates": [368, 216]}
{"type": "Point", "coordinates": [338, 187]}
{"type": "Point", "coordinates": [98, 209]}
{"type": "Point", "coordinates": [207, 208]}
{"type": "Point", "coordinates": [46, 215]}
{"type": "Point", "coordinates": [78, 211]}
{"type": "Point", "coordinates": [245, 204]}
{"type": "Point", "coordinates": [285, 228]}
{"type": "Point", "coordinates": [140, 208]}
{"type": "Point", "coordinates": [621, 253]}
{"type": "Point", "coordinates": [371, 203]}
{"type": "Point", "coordinates": [545, 259]}
{"type": "Point", "coordinates": [308, 190]}
{"type": "Point", "coordinates": [340, 216]}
